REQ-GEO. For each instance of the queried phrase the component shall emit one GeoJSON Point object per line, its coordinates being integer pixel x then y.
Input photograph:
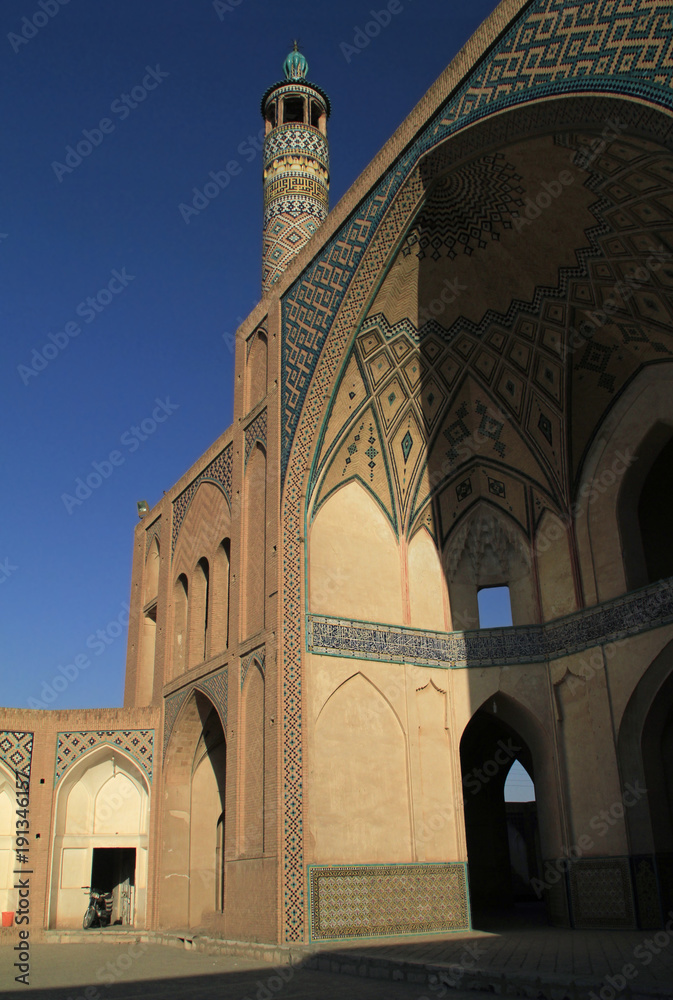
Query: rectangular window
{"type": "Point", "coordinates": [293, 110]}
{"type": "Point", "coordinates": [495, 607]}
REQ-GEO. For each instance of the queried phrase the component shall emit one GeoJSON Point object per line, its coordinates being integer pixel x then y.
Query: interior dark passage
{"type": "Point", "coordinates": [502, 837]}
{"type": "Point", "coordinates": [645, 523]}
{"type": "Point", "coordinates": [657, 750]}
{"type": "Point", "coordinates": [113, 869]}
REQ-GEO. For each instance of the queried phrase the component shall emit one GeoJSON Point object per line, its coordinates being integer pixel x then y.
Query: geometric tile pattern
{"type": "Point", "coordinates": [256, 431]}
{"type": "Point", "coordinates": [489, 194]}
{"type": "Point", "coordinates": [217, 688]}
{"type": "Point", "coordinates": [601, 893]}
{"type": "Point", "coordinates": [609, 622]}
{"type": "Point", "coordinates": [293, 223]}
{"type": "Point", "coordinates": [647, 891]}
{"type": "Point", "coordinates": [353, 901]}
{"type": "Point", "coordinates": [172, 705]}
{"type": "Point", "coordinates": [137, 743]}
{"type": "Point", "coordinates": [259, 655]}
{"type": "Point", "coordinates": [16, 750]}
{"type": "Point", "coordinates": [154, 531]}
{"type": "Point", "coordinates": [552, 49]}
{"type": "Point", "coordinates": [219, 471]}
{"type": "Point", "coordinates": [600, 47]}
{"type": "Point", "coordinates": [296, 139]}
{"type": "Point", "coordinates": [515, 358]}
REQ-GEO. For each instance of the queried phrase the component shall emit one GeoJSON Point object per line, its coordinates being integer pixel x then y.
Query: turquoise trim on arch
{"type": "Point", "coordinates": [317, 469]}
{"type": "Point", "coordinates": [549, 51]}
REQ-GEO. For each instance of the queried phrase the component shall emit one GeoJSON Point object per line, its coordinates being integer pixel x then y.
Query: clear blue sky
{"type": "Point", "coordinates": [156, 331]}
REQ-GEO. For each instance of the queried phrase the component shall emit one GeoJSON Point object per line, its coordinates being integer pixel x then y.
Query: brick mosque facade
{"type": "Point", "coordinates": [461, 378]}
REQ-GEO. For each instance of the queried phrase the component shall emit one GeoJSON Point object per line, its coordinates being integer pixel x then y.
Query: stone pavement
{"type": "Point", "coordinates": [541, 963]}
{"type": "Point", "coordinates": [137, 971]}
{"type": "Point", "coordinates": [544, 963]}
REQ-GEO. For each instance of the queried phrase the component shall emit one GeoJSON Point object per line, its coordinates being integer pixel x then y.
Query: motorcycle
{"type": "Point", "coordinates": [99, 911]}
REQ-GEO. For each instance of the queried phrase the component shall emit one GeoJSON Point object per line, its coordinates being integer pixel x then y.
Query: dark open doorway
{"type": "Point", "coordinates": [113, 869]}
{"type": "Point", "coordinates": [502, 836]}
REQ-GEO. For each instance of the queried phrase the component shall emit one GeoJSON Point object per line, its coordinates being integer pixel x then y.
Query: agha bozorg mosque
{"type": "Point", "coordinates": [459, 379]}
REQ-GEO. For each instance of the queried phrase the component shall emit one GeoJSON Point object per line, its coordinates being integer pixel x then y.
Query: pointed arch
{"type": "Point", "coordinates": [611, 478]}
{"type": "Point", "coordinates": [360, 811]}
{"type": "Point", "coordinates": [102, 802]}
{"type": "Point", "coordinates": [256, 369]}
{"type": "Point", "coordinates": [192, 884]}
{"type": "Point", "coordinates": [7, 833]}
{"type": "Point", "coordinates": [220, 604]}
{"type": "Point", "coordinates": [254, 533]}
{"type": "Point", "coordinates": [499, 732]}
{"type": "Point", "coordinates": [253, 761]}
{"type": "Point", "coordinates": [151, 576]}
{"type": "Point", "coordinates": [487, 548]}
{"type": "Point", "coordinates": [198, 643]}
{"type": "Point", "coordinates": [180, 626]}
{"type": "Point", "coordinates": [354, 559]}
{"type": "Point", "coordinates": [428, 596]}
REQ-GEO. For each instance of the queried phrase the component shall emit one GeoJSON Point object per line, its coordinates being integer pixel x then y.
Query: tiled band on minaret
{"type": "Point", "coordinates": [296, 166]}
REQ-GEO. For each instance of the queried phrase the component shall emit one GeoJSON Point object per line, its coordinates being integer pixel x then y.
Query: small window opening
{"type": "Point", "coordinates": [316, 112]}
{"type": "Point", "coordinates": [271, 115]}
{"type": "Point", "coordinates": [519, 786]}
{"type": "Point", "coordinates": [495, 607]}
{"type": "Point", "coordinates": [293, 109]}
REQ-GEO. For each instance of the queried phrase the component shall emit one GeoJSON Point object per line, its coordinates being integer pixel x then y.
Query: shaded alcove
{"type": "Point", "coordinates": [656, 742]}
{"type": "Point", "coordinates": [192, 888]}
{"type": "Point", "coordinates": [645, 522]}
{"type": "Point", "coordinates": [503, 843]}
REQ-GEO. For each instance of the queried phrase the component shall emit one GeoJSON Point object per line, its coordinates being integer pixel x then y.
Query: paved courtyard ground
{"type": "Point", "coordinates": [541, 963]}
{"type": "Point", "coordinates": [62, 972]}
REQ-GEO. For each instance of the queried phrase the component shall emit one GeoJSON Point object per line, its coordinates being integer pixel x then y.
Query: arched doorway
{"type": "Point", "coordinates": [192, 889]}
{"type": "Point", "coordinates": [7, 833]}
{"type": "Point", "coordinates": [657, 751]}
{"type": "Point", "coordinates": [646, 526]}
{"type": "Point", "coordinates": [645, 748]}
{"type": "Point", "coordinates": [501, 819]}
{"type": "Point", "coordinates": [100, 838]}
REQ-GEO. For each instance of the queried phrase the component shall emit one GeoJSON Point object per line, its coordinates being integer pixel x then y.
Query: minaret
{"type": "Point", "coordinates": [296, 166]}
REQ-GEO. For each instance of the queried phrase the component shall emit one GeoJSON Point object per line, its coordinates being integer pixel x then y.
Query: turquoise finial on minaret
{"type": "Point", "coordinates": [296, 166]}
{"type": "Point", "coordinates": [295, 66]}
